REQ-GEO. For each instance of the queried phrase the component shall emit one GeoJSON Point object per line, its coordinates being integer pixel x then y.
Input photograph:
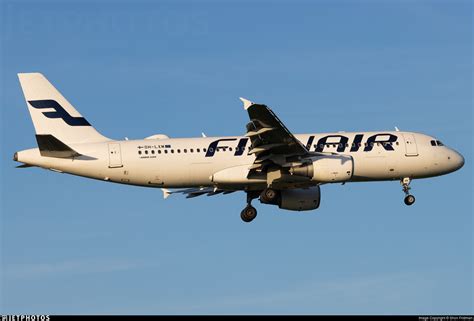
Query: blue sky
{"type": "Point", "coordinates": [133, 69]}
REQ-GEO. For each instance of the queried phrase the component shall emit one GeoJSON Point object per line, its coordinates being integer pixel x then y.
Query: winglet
{"type": "Point", "coordinates": [166, 193]}
{"type": "Point", "coordinates": [247, 103]}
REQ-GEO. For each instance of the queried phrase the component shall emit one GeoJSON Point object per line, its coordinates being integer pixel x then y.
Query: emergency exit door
{"type": "Point", "coordinates": [410, 145]}
{"type": "Point", "coordinates": [115, 157]}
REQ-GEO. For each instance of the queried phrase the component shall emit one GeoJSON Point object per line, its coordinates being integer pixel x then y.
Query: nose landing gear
{"type": "Point", "coordinates": [409, 199]}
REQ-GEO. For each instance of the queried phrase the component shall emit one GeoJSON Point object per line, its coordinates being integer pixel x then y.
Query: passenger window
{"type": "Point", "coordinates": [139, 152]}
{"type": "Point", "coordinates": [185, 150]}
{"type": "Point", "coordinates": [159, 151]}
{"type": "Point", "coordinates": [172, 151]}
{"type": "Point", "coordinates": [191, 150]}
{"type": "Point", "coordinates": [397, 143]}
{"type": "Point", "coordinates": [230, 149]}
{"type": "Point", "coordinates": [153, 151]}
{"type": "Point", "coordinates": [439, 143]}
{"type": "Point", "coordinates": [146, 152]}
{"type": "Point", "coordinates": [204, 150]}
{"type": "Point", "coordinates": [198, 150]}
{"type": "Point", "coordinates": [166, 151]}
{"type": "Point", "coordinates": [179, 151]}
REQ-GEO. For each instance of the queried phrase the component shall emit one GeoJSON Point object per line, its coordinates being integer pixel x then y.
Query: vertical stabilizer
{"type": "Point", "coordinates": [52, 114]}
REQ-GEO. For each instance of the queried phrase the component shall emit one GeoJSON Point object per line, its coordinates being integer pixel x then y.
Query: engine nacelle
{"type": "Point", "coordinates": [327, 169]}
{"type": "Point", "coordinates": [300, 199]}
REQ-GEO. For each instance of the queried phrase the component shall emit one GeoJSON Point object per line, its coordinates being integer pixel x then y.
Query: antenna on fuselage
{"type": "Point", "coordinates": [396, 128]}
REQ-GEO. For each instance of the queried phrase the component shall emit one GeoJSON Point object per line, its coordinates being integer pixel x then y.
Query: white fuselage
{"type": "Point", "coordinates": [192, 162]}
{"type": "Point", "coordinates": [268, 163]}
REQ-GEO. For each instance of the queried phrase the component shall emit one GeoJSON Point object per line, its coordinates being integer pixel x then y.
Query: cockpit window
{"type": "Point", "coordinates": [433, 143]}
{"type": "Point", "coordinates": [439, 143]}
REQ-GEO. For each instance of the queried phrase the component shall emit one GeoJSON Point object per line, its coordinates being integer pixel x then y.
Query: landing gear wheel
{"type": "Point", "coordinates": [248, 214]}
{"type": "Point", "coordinates": [409, 200]}
{"type": "Point", "coordinates": [269, 196]}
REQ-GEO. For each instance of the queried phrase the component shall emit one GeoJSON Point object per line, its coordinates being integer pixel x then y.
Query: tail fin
{"type": "Point", "coordinates": [52, 114]}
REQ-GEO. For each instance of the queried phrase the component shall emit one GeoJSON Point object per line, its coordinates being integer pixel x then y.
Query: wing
{"type": "Point", "coordinates": [272, 142]}
{"type": "Point", "coordinates": [273, 145]}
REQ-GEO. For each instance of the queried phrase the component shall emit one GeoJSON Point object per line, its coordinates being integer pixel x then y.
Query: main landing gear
{"type": "Point", "coordinates": [269, 196]}
{"type": "Point", "coordinates": [409, 199]}
{"type": "Point", "coordinates": [249, 213]}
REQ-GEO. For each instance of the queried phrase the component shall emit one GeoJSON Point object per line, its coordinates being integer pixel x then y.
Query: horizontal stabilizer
{"type": "Point", "coordinates": [24, 166]}
{"type": "Point", "coordinates": [50, 146]}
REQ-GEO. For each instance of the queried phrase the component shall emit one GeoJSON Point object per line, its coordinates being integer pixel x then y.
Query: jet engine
{"type": "Point", "coordinates": [327, 169]}
{"type": "Point", "coordinates": [298, 199]}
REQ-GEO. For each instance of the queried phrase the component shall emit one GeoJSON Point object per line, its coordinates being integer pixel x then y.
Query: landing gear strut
{"type": "Point", "coordinates": [409, 199]}
{"type": "Point", "coordinates": [249, 213]}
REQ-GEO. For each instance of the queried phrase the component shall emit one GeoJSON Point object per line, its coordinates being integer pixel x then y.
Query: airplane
{"type": "Point", "coordinates": [268, 163]}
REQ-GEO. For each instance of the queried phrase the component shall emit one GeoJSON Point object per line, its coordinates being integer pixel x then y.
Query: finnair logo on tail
{"type": "Point", "coordinates": [59, 112]}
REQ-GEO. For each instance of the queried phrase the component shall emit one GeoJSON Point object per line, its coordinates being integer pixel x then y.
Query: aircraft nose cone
{"type": "Point", "coordinates": [460, 160]}
{"type": "Point", "coordinates": [457, 159]}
